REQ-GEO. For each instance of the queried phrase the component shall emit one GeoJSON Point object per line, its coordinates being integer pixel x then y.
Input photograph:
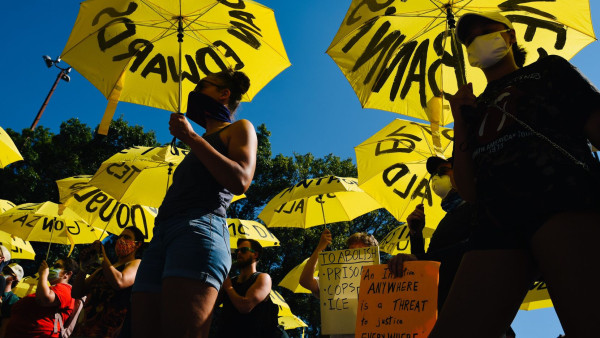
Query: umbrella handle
{"type": "Point", "coordinates": [174, 150]}
{"type": "Point", "coordinates": [50, 243]}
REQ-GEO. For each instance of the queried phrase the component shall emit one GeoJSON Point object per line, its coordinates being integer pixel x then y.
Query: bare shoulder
{"type": "Point", "coordinates": [242, 125]}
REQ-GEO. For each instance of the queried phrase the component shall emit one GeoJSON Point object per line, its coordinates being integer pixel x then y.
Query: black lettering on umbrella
{"type": "Point", "coordinates": [514, 5]}
{"type": "Point", "coordinates": [139, 53]}
{"type": "Point", "coordinates": [156, 65]}
{"type": "Point", "coordinates": [381, 44]}
{"type": "Point", "coordinates": [427, 129]}
{"type": "Point", "coordinates": [102, 212]}
{"type": "Point", "coordinates": [149, 149]}
{"type": "Point", "coordinates": [293, 207]}
{"type": "Point", "coordinates": [78, 186]}
{"type": "Point", "coordinates": [420, 60]}
{"type": "Point", "coordinates": [244, 32]}
{"type": "Point", "coordinates": [74, 230]}
{"type": "Point", "coordinates": [201, 55]}
{"type": "Point", "coordinates": [21, 219]}
{"type": "Point", "coordinates": [455, 60]}
{"type": "Point", "coordinates": [534, 23]}
{"type": "Point", "coordinates": [230, 53]}
{"type": "Point", "coordinates": [260, 231]}
{"type": "Point", "coordinates": [123, 221]}
{"type": "Point", "coordinates": [194, 77]}
{"type": "Point", "coordinates": [422, 190]}
{"type": "Point", "coordinates": [98, 198]}
{"type": "Point", "coordinates": [126, 169]}
{"type": "Point", "coordinates": [401, 60]}
{"type": "Point", "coordinates": [47, 224]}
{"type": "Point", "coordinates": [373, 5]}
{"type": "Point", "coordinates": [238, 5]}
{"type": "Point", "coordinates": [81, 198]}
{"type": "Point", "coordinates": [129, 32]}
{"type": "Point", "coordinates": [113, 12]}
{"type": "Point", "coordinates": [138, 208]}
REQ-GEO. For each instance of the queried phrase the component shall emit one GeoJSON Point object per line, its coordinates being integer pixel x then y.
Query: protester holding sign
{"type": "Point", "coordinates": [522, 154]}
{"type": "Point", "coordinates": [247, 307]}
{"type": "Point", "coordinates": [189, 256]}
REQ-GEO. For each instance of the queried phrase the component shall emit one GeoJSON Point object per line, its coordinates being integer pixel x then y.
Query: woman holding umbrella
{"type": "Point", "coordinates": [522, 155]}
{"type": "Point", "coordinates": [189, 256]}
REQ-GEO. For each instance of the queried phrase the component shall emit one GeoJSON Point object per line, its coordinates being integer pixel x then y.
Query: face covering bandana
{"type": "Point", "coordinates": [124, 247]}
{"type": "Point", "coordinates": [53, 274]}
{"type": "Point", "coordinates": [200, 106]}
{"type": "Point", "coordinates": [486, 50]}
{"type": "Point", "coordinates": [441, 185]}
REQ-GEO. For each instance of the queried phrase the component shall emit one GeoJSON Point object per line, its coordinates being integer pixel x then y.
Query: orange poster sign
{"type": "Point", "coordinates": [403, 307]}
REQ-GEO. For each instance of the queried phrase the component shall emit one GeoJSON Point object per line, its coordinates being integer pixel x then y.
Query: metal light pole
{"type": "Point", "coordinates": [62, 75]}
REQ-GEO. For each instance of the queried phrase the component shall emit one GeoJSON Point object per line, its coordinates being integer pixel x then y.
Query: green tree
{"type": "Point", "coordinates": [75, 150]}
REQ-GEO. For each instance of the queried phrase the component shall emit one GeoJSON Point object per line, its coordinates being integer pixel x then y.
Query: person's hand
{"type": "Point", "coordinates": [180, 127]}
{"type": "Point", "coordinates": [99, 247]}
{"type": "Point", "coordinates": [324, 241]}
{"type": "Point", "coordinates": [396, 264]}
{"type": "Point", "coordinates": [227, 284]}
{"type": "Point", "coordinates": [43, 271]}
{"type": "Point", "coordinates": [416, 219]}
{"type": "Point", "coordinates": [463, 97]}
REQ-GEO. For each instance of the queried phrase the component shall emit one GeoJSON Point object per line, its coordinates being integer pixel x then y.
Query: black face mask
{"type": "Point", "coordinates": [199, 104]}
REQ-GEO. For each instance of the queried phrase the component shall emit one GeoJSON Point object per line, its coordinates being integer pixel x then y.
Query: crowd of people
{"type": "Point", "coordinates": [520, 196]}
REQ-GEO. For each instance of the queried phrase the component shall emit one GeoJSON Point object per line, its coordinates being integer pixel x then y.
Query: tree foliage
{"type": "Point", "coordinates": [76, 150]}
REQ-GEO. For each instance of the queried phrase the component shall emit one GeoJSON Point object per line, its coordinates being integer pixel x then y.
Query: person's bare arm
{"type": "Point", "coordinates": [307, 279]}
{"type": "Point", "coordinates": [44, 296]}
{"type": "Point", "coordinates": [234, 171]}
{"type": "Point", "coordinates": [257, 293]}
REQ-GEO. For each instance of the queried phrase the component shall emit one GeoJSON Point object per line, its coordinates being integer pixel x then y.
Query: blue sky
{"type": "Point", "coordinates": [309, 107]}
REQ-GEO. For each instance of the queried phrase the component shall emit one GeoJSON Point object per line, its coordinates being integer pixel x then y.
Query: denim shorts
{"type": "Point", "coordinates": [194, 245]}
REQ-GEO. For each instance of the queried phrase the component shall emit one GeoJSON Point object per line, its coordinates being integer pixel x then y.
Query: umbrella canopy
{"type": "Point", "coordinates": [5, 205]}
{"type": "Point", "coordinates": [391, 167]}
{"type": "Point", "coordinates": [47, 222]}
{"type": "Point", "coordinates": [318, 201]}
{"type": "Point", "coordinates": [137, 51]}
{"type": "Point", "coordinates": [8, 150]}
{"type": "Point", "coordinates": [19, 248]}
{"type": "Point", "coordinates": [398, 240]}
{"type": "Point", "coordinates": [239, 228]}
{"type": "Point", "coordinates": [402, 56]}
{"type": "Point", "coordinates": [537, 298]}
{"type": "Point", "coordinates": [101, 210]}
{"type": "Point", "coordinates": [26, 286]}
{"type": "Point", "coordinates": [291, 281]}
{"type": "Point", "coordinates": [139, 175]}
{"type": "Point", "coordinates": [291, 322]}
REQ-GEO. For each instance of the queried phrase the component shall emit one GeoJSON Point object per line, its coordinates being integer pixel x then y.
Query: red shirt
{"type": "Point", "coordinates": [29, 319]}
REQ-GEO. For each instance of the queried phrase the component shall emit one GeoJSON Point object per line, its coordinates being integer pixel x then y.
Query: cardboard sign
{"type": "Point", "coordinates": [339, 281]}
{"type": "Point", "coordinates": [398, 307]}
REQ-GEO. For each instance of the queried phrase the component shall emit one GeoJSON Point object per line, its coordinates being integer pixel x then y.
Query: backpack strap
{"type": "Point", "coordinates": [58, 323]}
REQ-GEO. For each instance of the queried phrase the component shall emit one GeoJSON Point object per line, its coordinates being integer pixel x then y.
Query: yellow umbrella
{"type": "Point", "coordinates": [239, 228]}
{"type": "Point", "coordinates": [398, 240]}
{"type": "Point", "coordinates": [318, 201]}
{"type": "Point", "coordinates": [19, 248]}
{"type": "Point", "coordinates": [26, 286]}
{"type": "Point", "coordinates": [291, 322]}
{"type": "Point", "coordinates": [402, 56]}
{"type": "Point", "coordinates": [46, 222]}
{"type": "Point", "coordinates": [101, 210]}
{"type": "Point", "coordinates": [5, 205]}
{"type": "Point", "coordinates": [284, 308]}
{"type": "Point", "coordinates": [291, 281]}
{"type": "Point", "coordinates": [537, 297]}
{"type": "Point", "coordinates": [137, 51]}
{"type": "Point", "coordinates": [139, 175]}
{"type": "Point", "coordinates": [8, 151]}
{"type": "Point", "coordinates": [391, 168]}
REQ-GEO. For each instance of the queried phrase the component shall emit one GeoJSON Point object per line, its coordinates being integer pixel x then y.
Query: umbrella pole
{"type": "Point", "coordinates": [323, 212]}
{"type": "Point", "coordinates": [50, 244]}
{"type": "Point", "coordinates": [174, 149]}
{"type": "Point", "coordinates": [457, 49]}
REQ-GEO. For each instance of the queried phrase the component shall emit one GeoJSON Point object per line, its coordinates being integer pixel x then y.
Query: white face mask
{"type": "Point", "coordinates": [486, 50]}
{"type": "Point", "coordinates": [441, 185]}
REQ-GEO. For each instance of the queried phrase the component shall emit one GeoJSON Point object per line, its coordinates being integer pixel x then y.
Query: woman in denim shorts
{"type": "Point", "coordinates": [189, 256]}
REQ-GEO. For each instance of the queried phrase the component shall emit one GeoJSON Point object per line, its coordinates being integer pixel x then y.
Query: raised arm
{"type": "Point", "coordinates": [44, 296]}
{"type": "Point", "coordinates": [234, 171]}
{"type": "Point", "coordinates": [307, 278]}
{"type": "Point", "coordinates": [257, 293]}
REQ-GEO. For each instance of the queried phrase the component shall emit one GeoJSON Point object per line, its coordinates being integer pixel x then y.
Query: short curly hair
{"type": "Point", "coordinates": [362, 238]}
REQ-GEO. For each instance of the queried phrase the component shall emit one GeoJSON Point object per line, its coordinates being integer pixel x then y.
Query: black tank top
{"type": "Point", "coordinates": [194, 187]}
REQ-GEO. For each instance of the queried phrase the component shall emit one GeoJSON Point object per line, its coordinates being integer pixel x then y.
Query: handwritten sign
{"type": "Point", "coordinates": [339, 283]}
{"type": "Point", "coordinates": [398, 307]}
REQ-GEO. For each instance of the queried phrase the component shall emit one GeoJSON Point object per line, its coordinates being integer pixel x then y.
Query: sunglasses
{"type": "Point", "coordinates": [204, 83]}
{"type": "Point", "coordinates": [244, 250]}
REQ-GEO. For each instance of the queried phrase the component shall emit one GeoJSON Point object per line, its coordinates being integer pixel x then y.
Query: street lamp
{"type": "Point", "coordinates": [62, 75]}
